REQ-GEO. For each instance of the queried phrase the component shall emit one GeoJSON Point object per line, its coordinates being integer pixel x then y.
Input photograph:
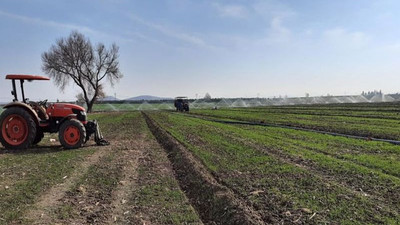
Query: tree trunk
{"type": "Point", "coordinates": [91, 103]}
{"type": "Point", "coordinates": [89, 106]}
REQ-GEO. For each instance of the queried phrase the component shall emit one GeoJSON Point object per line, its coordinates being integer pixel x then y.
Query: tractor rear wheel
{"type": "Point", "coordinates": [18, 129]}
{"type": "Point", "coordinates": [39, 137]}
{"type": "Point", "coordinates": [72, 134]}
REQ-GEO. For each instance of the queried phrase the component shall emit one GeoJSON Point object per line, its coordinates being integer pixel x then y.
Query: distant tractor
{"type": "Point", "coordinates": [181, 104]}
{"type": "Point", "coordinates": [23, 123]}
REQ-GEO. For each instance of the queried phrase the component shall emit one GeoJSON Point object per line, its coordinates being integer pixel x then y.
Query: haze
{"type": "Point", "coordinates": [244, 48]}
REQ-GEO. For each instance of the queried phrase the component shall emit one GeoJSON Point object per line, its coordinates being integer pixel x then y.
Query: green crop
{"type": "Point", "coordinates": [342, 180]}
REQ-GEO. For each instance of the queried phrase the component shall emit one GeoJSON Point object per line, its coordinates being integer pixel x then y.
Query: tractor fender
{"type": "Point", "coordinates": [70, 116]}
{"type": "Point", "coordinates": [25, 106]}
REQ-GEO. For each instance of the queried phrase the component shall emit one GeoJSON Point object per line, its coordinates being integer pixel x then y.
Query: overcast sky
{"type": "Point", "coordinates": [238, 48]}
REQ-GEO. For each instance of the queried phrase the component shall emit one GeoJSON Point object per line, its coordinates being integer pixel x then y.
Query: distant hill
{"type": "Point", "coordinates": [108, 99]}
{"type": "Point", "coordinates": [146, 98]}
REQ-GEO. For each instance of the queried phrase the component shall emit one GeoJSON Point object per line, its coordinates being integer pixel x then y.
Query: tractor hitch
{"type": "Point", "coordinates": [92, 127]}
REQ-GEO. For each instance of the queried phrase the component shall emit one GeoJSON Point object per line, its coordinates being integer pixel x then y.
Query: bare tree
{"type": "Point", "coordinates": [101, 94]}
{"type": "Point", "coordinates": [75, 58]}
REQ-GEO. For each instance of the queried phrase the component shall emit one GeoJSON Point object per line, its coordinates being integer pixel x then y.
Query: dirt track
{"type": "Point", "coordinates": [129, 182]}
{"type": "Point", "coordinates": [40, 211]}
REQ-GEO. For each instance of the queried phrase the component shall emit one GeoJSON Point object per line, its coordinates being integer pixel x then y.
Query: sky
{"type": "Point", "coordinates": [237, 48]}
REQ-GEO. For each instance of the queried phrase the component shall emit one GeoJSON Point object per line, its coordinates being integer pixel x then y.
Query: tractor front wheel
{"type": "Point", "coordinates": [72, 134]}
{"type": "Point", "coordinates": [18, 129]}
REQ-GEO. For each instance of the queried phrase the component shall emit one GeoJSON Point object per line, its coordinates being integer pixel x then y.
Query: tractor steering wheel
{"type": "Point", "coordinates": [43, 103]}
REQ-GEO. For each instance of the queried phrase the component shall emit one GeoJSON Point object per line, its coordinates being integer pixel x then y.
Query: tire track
{"type": "Point", "coordinates": [40, 212]}
{"type": "Point", "coordinates": [129, 177]}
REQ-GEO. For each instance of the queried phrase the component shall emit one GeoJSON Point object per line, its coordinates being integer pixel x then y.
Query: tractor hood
{"type": "Point", "coordinates": [64, 110]}
{"type": "Point", "coordinates": [67, 106]}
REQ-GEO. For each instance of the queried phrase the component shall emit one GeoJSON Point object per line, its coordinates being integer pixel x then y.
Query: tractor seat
{"type": "Point", "coordinates": [40, 110]}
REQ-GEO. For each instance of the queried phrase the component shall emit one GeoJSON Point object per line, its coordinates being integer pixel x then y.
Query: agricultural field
{"type": "Point", "coordinates": [368, 120]}
{"type": "Point", "coordinates": [123, 107]}
{"type": "Point", "coordinates": [164, 167]}
{"type": "Point", "coordinates": [290, 176]}
{"type": "Point", "coordinates": [130, 181]}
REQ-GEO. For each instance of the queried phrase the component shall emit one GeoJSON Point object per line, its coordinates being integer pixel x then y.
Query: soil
{"type": "Point", "coordinates": [266, 203]}
{"type": "Point", "coordinates": [215, 203]}
{"type": "Point", "coordinates": [127, 181]}
{"type": "Point", "coordinates": [103, 188]}
{"type": "Point", "coordinates": [41, 210]}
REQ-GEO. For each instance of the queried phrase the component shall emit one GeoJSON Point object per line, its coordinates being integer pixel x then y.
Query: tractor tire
{"type": "Point", "coordinates": [39, 137]}
{"type": "Point", "coordinates": [18, 129]}
{"type": "Point", "coordinates": [72, 134]}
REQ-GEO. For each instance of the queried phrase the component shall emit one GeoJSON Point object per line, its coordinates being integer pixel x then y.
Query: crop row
{"type": "Point", "coordinates": [328, 111]}
{"type": "Point", "coordinates": [368, 127]}
{"type": "Point", "coordinates": [291, 176]}
{"type": "Point", "coordinates": [380, 107]}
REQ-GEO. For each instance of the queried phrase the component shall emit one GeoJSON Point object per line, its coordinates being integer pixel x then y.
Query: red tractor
{"type": "Point", "coordinates": [23, 123]}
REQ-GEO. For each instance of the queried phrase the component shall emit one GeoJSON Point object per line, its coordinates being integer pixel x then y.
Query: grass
{"type": "Point", "coordinates": [343, 122]}
{"type": "Point", "coordinates": [93, 188]}
{"type": "Point", "coordinates": [370, 110]}
{"type": "Point", "coordinates": [157, 192]}
{"type": "Point", "coordinates": [250, 159]}
{"type": "Point", "coordinates": [165, 200]}
{"type": "Point", "coordinates": [25, 175]}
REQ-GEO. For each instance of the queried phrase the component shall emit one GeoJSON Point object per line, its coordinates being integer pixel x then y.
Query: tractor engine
{"type": "Point", "coordinates": [58, 112]}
